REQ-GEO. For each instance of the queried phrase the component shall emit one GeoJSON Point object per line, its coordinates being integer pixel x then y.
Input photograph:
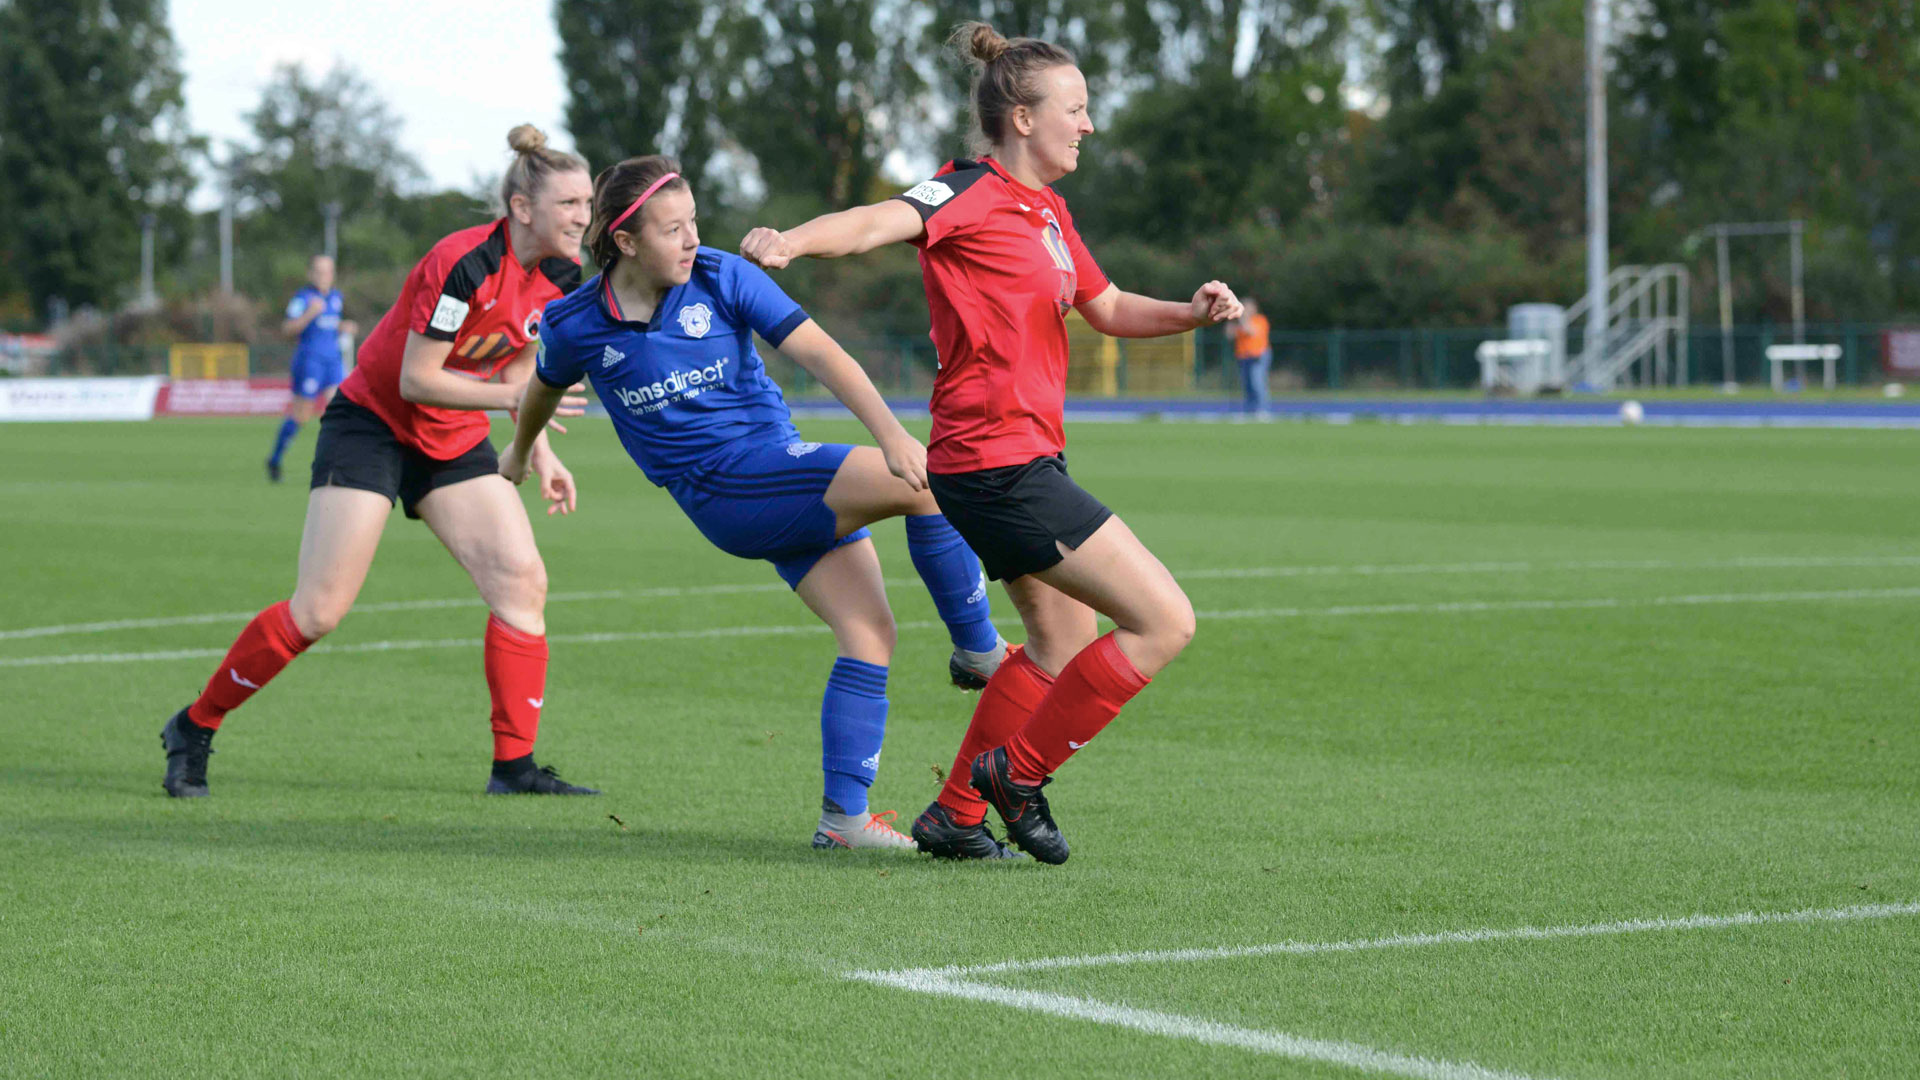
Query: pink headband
{"type": "Point", "coordinates": [644, 196]}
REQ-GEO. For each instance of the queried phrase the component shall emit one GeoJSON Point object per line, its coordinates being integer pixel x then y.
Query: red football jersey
{"type": "Point", "coordinates": [472, 291]}
{"type": "Point", "coordinates": [1002, 264]}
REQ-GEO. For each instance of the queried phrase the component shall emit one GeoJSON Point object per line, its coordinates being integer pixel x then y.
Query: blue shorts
{"type": "Point", "coordinates": [767, 501]}
{"type": "Point", "coordinates": [311, 378]}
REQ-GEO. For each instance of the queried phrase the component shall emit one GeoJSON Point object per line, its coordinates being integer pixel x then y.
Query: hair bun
{"type": "Point", "coordinates": [985, 43]}
{"type": "Point", "coordinates": [527, 139]}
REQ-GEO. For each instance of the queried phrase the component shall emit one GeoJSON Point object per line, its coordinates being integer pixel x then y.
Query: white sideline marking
{"type": "Point", "coordinates": [395, 605]}
{"type": "Point", "coordinates": [1335, 570]}
{"type": "Point", "coordinates": [1449, 937]}
{"type": "Point", "coordinates": [1456, 607]}
{"type": "Point", "coordinates": [960, 982]}
{"type": "Point", "coordinates": [1172, 1025]}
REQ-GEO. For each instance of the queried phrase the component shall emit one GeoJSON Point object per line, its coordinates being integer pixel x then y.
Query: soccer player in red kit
{"type": "Point", "coordinates": [1003, 264]}
{"type": "Point", "coordinates": [410, 425]}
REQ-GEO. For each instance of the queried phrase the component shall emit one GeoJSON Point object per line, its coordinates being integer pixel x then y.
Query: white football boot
{"type": "Point", "coordinates": [847, 831]}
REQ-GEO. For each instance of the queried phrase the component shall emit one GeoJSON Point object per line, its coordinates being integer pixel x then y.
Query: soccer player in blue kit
{"type": "Point", "coordinates": [313, 319]}
{"type": "Point", "coordinates": [665, 334]}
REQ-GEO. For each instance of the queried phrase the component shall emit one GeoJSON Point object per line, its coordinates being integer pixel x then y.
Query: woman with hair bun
{"type": "Point", "coordinates": [1003, 264]}
{"type": "Point", "coordinates": [410, 426]}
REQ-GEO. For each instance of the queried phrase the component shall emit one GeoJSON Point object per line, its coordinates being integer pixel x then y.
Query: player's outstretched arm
{"type": "Point", "coordinates": [1130, 315]}
{"type": "Point", "coordinates": [823, 358]}
{"type": "Point", "coordinates": [829, 236]}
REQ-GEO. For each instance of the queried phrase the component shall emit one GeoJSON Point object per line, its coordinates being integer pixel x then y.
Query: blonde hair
{"type": "Point", "coordinates": [533, 162]}
{"type": "Point", "coordinates": [1006, 76]}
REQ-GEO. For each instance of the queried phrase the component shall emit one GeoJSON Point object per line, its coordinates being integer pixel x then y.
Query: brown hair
{"type": "Point", "coordinates": [1006, 75]}
{"type": "Point", "coordinates": [615, 189]}
{"type": "Point", "coordinates": [533, 162]}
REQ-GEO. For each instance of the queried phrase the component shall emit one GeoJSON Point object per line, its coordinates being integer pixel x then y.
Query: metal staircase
{"type": "Point", "coordinates": [1641, 337]}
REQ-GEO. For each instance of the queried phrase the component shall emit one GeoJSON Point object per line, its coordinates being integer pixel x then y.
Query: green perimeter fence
{"type": "Point", "coordinates": [1407, 359]}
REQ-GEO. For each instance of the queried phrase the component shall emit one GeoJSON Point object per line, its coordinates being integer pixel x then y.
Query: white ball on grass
{"type": "Point", "coordinates": [1631, 413]}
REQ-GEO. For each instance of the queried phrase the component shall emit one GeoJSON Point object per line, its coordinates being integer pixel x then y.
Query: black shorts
{"type": "Point", "coordinates": [1015, 517]}
{"type": "Point", "coordinates": [358, 450]}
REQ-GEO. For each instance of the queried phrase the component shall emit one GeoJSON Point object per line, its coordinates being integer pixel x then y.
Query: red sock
{"type": "Point", "coordinates": [1008, 700]}
{"type": "Point", "coordinates": [269, 643]}
{"type": "Point", "coordinates": [517, 679]}
{"type": "Point", "coordinates": [1087, 696]}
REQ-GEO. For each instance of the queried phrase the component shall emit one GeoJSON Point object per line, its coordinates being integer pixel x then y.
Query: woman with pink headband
{"type": "Point", "coordinates": [665, 334]}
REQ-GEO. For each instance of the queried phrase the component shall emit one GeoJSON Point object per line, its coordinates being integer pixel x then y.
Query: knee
{"type": "Point", "coordinates": [317, 615]}
{"type": "Point", "coordinates": [869, 638]}
{"type": "Point", "coordinates": [1169, 629]}
{"type": "Point", "coordinates": [516, 589]}
{"type": "Point", "coordinates": [1181, 624]}
{"type": "Point", "coordinates": [524, 578]}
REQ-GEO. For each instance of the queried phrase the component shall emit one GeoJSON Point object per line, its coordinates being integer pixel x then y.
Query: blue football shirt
{"type": "Point", "coordinates": [687, 382]}
{"type": "Point", "coordinates": [321, 339]}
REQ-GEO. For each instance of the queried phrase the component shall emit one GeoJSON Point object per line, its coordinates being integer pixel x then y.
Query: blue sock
{"type": "Point", "coordinates": [853, 721]}
{"type": "Point", "coordinates": [288, 428]}
{"type": "Point", "coordinates": [953, 576]}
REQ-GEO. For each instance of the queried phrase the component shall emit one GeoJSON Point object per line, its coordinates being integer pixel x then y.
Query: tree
{"type": "Point", "coordinates": [92, 133]}
{"type": "Point", "coordinates": [813, 92]}
{"type": "Point", "coordinates": [1770, 109]}
{"type": "Point", "coordinates": [317, 142]}
{"type": "Point", "coordinates": [640, 79]}
{"type": "Point", "coordinates": [1234, 126]}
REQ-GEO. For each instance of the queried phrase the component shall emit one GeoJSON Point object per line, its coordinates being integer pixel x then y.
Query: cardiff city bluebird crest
{"type": "Point", "coordinates": [696, 320]}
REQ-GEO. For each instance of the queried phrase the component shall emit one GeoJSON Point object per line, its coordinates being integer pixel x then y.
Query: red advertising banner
{"type": "Point", "coordinates": [224, 397]}
{"type": "Point", "coordinates": [1900, 352]}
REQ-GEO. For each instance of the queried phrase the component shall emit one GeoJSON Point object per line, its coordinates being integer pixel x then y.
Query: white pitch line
{"type": "Point", "coordinates": [1196, 1029]}
{"type": "Point", "coordinates": [960, 981]}
{"type": "Point", "coordinates": [1403, 941]}
{"type": "Point", "coordinates": [1456, 607]}
{"type": "Point", "coordinates": [394, 605]}
{"type": "Point", "coordinates": [1231, 573]}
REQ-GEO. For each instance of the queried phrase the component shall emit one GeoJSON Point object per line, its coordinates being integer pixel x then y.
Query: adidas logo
{"type": "Point", "coordinates": [871, 763]}
{"type": "Point", "coordinates": [611, 357]}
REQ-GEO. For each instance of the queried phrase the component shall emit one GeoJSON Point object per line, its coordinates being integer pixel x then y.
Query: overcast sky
{"type": "Point", "coordinates": [458, 74]}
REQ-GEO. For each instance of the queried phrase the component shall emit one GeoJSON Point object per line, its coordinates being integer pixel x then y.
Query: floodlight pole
{"type": "Point", "coordinates": [1597, 316]}
{"type": "Point", "coordinates": [226, 230]}
{"type": "Point", "coordinates": [1727, 382]}
{"type": "Point", "coordinates": [333, 230]}
{"type": "Point", "coordinates": [146, 260]}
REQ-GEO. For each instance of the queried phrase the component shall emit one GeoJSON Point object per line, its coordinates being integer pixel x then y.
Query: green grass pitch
{"type": "Point", "coordinates": [1446, 679]}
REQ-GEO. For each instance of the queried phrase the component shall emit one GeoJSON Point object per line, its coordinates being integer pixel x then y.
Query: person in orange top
{"type": "Point", "coordinates": [1252, 349]}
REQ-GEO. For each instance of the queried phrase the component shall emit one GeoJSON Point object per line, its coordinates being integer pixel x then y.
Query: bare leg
{"type": "Point", "coordinates": [336, 550]}
{"type": "Point", "coordinates": [484, 525]}
{"type": "Point", "coordinates": [1114, 574]}
{"type": "Point", "coordinates": [863, 492]}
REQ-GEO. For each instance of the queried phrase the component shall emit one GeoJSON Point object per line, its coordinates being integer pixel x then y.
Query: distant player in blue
{"type": "Point", "coordinates": [665, 334]}
{"type": "Point", "coordinates": [313, 320]}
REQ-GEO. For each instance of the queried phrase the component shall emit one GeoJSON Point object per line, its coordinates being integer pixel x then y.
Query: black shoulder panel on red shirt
{"type": "Point", "coordinates": [476, 266]}
{"type": "Point", "coordinates": [564, 273]}
{"type": "Point", "coordinates": [956, 176]}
